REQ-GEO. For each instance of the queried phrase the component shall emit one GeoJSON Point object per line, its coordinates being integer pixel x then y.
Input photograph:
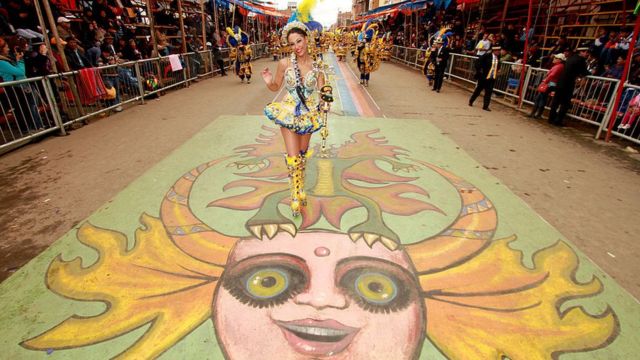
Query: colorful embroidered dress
{"type": "Point", "coordinates": [292, 113]}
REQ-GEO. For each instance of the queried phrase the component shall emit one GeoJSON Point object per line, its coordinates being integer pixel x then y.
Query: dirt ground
{"type": "Point", "coordinates": [589, 190]}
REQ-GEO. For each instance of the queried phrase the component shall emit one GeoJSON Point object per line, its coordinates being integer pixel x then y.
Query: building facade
{"type": "Point", "coordinates": [344, 19]}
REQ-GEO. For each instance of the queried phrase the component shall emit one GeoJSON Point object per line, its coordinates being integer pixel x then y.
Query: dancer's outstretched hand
{"type": "Point", "coordinates": [267, 76]}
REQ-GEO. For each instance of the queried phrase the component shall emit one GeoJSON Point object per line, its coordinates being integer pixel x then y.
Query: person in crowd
{"type": "Point", "coordinates": [162, 43]}
{"type": "Point", "coordinates": [120, 46]}
{"type": "Point", "coordinates": [550, 81]}
{"type": "Point", "coordinates": [609, 49]}
{"type": "Point", "coordinates": [457, 44]}
{"type": "Point", "coordinates": [622, 45]}
{"type": "Point", "coordinates": [598, 44]}
{"type": "Point", "coordinates": [615, 71]}
{"type": "Point", "coordinates": [64, 27]}
{"type": "Point", "coordinates": [75, 58]}
{"type": "Point", "coordinates": [195, 59]}
{"type": "Point", "coordinates": [37, 62]}
{"type": "Point", "coordinates": [560, 47]}
{"type": "Point", "coordinates": [87, 16]}
{"type": "Point", "coordinates": [23, 17]}
{"type": "Point", "coordinates": [575, 67]}
{"type": "Point", "coordinates": [6, 29]}
{"type": "Point", "coordinates": [631, 114]}
{"type": "Point", "coordinates": [487, 67]}
{"type": "Point", "coordinates": [593, 65]}
{"type": "Point", "coordinates": [109, 52]}
{"type": "Point", "coordinates": [505, 55]}
{"type": "Point", "coordinates": [217, 57]}
{"type": "Point", "coordinates": [440, 57]}
{"type": "Point", "coordinates": [103, 20]}
{"type": "Point", "coordinates": [131, 52]}
{"type": "Point", "coordinates": [509, 36]}
{"type": "Point", "coordinates": [484, 45]}
{"type": "Point", "coordinates": [21, 97]}
{"type": "Point", "coordinates": [634, 69]}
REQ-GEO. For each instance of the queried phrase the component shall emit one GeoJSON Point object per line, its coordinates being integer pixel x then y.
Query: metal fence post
{"type": "Point", "coordinates": [525, 87]}
{"type": "Point", "coordinates": [186, 70]}
{"type": "Point", "coordinates": [51, 99]}
{"type": "Point", "coordinates": [211, 62]}
{"type": "Point", "coordinates": [607, 114]}
{"type": "Point", "coordinates": [140, 81]}
{"type": "Point", "coordinates": [453, 58]}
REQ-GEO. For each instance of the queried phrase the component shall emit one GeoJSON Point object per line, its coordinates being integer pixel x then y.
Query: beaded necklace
{"type": "Point", "coordinates": [299, 90]}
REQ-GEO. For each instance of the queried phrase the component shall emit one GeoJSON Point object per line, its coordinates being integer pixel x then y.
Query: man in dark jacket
{"type": "Point", "coordinates": [575, 67]}
{"type": "Point", "coordinates": [217, 57]}
{"type": "Point", "coordinates": [439, 57]}
{"type": "Point", "coordinates": [487, 67]}
{"type": "Point", "coordinates": [75, 58]}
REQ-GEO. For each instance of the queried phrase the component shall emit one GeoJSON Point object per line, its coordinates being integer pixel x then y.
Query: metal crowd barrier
{"type": "Point", "coordinates": [626, 114]}
{"type": "Point", "coordinates": [462, 67]}
{"type": "Point", "coordinates": [412, 57]}
{"type": "Point", "coordinates": [34, 107]}
{"type": "Point", "coordinates": [27, 110]}
{"type": "Point", "coordinates": [592, 100]}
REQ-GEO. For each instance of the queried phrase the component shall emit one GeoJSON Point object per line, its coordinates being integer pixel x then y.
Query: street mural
{"type": "Point", "coordinates": [343, 281]}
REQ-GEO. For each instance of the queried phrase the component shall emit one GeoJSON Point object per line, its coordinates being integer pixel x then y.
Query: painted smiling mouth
{"type": "Point", "coordinates": [317, 337]}
{"type": "Point", "coordinates": [314, 333]}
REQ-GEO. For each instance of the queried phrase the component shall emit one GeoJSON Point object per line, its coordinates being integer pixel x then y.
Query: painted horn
{"type": "Point", "coordinates": [471, 231]}
{"type": "Point", "coordinates": [188, 232]}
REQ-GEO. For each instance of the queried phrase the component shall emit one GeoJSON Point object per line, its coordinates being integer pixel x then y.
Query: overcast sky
{"type": "Point", "coordinates": [326, 12]}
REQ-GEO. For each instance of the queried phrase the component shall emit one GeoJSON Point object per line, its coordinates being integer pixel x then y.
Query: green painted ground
{"type": "Point", "coordinates": [28, 308]}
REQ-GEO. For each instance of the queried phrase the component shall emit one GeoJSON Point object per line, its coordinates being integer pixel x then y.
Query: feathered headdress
{"type": "Point", "coordinates": [301, 19]}
{"type": "Point", "coordinates": [368, 32]}
{"type": "Point", "coordinates": [237, 37]}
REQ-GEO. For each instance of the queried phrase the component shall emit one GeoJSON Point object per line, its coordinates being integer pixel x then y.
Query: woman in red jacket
{"type": "Point", "coordinates": [551, 80]}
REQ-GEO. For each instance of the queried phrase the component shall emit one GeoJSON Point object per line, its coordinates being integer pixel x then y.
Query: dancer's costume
{"type": "Point", "coordinates": [367, 57]}
{"type": "Point", "coordinates": [241, 53]}
{"type": "Point", "coordinates": [386, 47]}
{"type": "Point", "coordinates": [340, 45]}
{"type": "Point", "coordinates": [429, 68]}
{"type": "Point", "coordinates": [305, 107]}
{"type": "Point", "coordinates": [274, 45]}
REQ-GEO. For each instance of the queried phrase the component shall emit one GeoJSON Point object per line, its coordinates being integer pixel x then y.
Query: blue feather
{"type": "Point", "coordinates": [314, 25]}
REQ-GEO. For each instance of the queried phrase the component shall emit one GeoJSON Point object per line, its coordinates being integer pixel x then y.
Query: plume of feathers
{"type": "Point", "coordinates": [303, 12]}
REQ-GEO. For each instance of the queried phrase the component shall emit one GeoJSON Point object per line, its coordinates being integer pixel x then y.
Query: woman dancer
{"type": "Point", "coordinates": [299, 113]}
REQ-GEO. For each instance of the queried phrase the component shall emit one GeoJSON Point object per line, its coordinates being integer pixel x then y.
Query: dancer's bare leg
{"type": "Point", "coordinates": [291, 142]}
{"type": "Point", "coordinates": [304, 142]}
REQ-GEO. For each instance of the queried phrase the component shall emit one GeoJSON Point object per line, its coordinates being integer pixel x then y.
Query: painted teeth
{"type": "Point", "coordinates": [318, 331]}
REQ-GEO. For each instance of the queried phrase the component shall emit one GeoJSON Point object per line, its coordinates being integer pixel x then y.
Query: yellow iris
{"type": "Point", "coordinates": [267, 283]}
{"type": "Point", "coordinates": [376, 288]}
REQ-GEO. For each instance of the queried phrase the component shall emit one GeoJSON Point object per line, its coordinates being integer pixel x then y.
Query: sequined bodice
{"type": "Point", "coordinates": [310, 82]}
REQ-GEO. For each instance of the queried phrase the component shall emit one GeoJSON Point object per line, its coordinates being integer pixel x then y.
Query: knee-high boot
{"type": "Point", "coordinates": [304, 156]}
{"type": "Point", "coordinates": [293, 166]}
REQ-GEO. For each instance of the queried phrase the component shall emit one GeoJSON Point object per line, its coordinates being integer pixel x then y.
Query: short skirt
{"type": "Point", "coordinates": [283, 114]}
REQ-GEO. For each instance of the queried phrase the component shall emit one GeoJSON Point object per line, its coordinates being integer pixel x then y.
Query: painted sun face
{"type": "Point", "coordinates": [324, 297]}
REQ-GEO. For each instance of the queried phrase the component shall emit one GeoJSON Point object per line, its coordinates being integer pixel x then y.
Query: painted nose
{"type": "Point", "coordinates": [322, 293]}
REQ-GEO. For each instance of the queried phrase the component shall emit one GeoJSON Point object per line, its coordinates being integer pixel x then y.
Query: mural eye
{"type": "Point", "coordinates": [266, 286]}
{"type": "Point", "coordinates": [376, 288]}
{"type": "Point", "coordinates": [267, 283]}
{"type": "Point", "coordinates": [378, 291]}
